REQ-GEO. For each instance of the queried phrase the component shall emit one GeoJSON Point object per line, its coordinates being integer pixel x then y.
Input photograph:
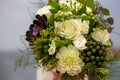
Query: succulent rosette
{"type": "Point", "coordinates": [73, 37]}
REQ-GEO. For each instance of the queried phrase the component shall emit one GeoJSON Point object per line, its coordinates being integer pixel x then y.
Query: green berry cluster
{"type": "Point", "coordinates": [41, 45]}
{"type": "Point", "coordinates": [95, 53]}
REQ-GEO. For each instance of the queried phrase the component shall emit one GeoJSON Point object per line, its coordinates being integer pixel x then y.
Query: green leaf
{"type": "Point", "coordinates": [54, 4]}
{"type": "Point", "coordinates": [85, 17]}
{"type": "Point", "coordinates": [51, 20]}
{"type": "Point", "coordinates": [66, 77]}
{"type": "Point", "coordinates": [53, 63]}
{"type": "Point", "coordinates": [81, 1]}
{"type": "Point", "coordinates": [60, 43]}
{"type": "Point", "coordinates": [81, 10]}
{"type": "Point", "coordinates": [53, 11]}
{"type": "Point", "coordinates": [106, 11]}
{"type": "Point", "coordinates": [88, 65]}
{"type": "Point", "coordinates": [103, 71]}
{"type": "Point", "coordinates": [90, 3]}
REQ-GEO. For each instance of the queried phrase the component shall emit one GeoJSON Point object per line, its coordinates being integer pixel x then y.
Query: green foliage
{"type": "Point", "coordinates": [106, 11]}
{"type": "Point", "coordinates": [98, 74]}
{"type": "Point", "coordinates": [88, 66]}
{"type": "Point", "coordinates": [60, 43]}
{"type": "Point", "coordinates": [54, 4]}
{"type": "Point", "coordinates": [52, 63]}
{"type": "Point", "coordinates": [41, 46]}
{"type": "Point", "coordinates": [51, 20]}
{"type": "Point", "coordinates": [81, 10]}
{"type": "Point", "coordinates": [81, 1]}
{"type": "Point", "coordinates": [66, 77]}
{"type": "Point", "coordinates": [24, 59]}
{"type": "Point", "coordinates": [90, 3]}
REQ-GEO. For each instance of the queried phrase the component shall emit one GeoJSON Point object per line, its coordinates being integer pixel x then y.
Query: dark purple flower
{"type": "Point", "coordinates": [34, 30]}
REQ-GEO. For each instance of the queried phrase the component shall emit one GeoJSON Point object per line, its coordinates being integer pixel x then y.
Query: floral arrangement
{"type": "Point", "coordinates": [72, 37]}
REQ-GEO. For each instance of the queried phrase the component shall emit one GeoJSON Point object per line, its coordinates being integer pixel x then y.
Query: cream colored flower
{"type": "Point", "coordinates": [45, 10]}
{"type": "Point", "coordinates": [101, 35]}
{"type": "Point", "coordinates": [68, 29]}
{"type": "Point", "coordinates": [69, 60]}
{"type": "Point", "coordinates": [79, 42]}
{"type": "Point", "coordinates": [84, 26]}
{"type": "Point", "coordinates": [52, 48]}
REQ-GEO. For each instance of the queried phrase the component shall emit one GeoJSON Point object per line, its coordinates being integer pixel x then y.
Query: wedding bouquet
{"type": "Point", "coordinates": [72, 37]}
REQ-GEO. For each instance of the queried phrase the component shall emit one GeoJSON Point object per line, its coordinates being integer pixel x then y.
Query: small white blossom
{"type": "Point", "coordinates": [45, 10]}
{"type": "Point", "coordinates": [88, 10]}
{"type": "Point", "coordinates": [52, 48]}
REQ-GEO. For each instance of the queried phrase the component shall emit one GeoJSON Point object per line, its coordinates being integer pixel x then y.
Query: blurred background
{"type": "Point", "coordinates": [15, 18]}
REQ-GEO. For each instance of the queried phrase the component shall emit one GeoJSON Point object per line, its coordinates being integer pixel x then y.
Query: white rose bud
{"type": "Point", "coordinates": [52, 48]}
{"type": "Point", "coordinates": [101, 35]}
{"type": "Point", "coordinates": [45, 10]}
{"type": "Point", "coordinates": [88, 10]}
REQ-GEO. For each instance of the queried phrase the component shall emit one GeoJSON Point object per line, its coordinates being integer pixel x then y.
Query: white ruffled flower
{"type": "Point", "coordinates": [68, 28]}
{"type": "Point", "coordinates": [52, 48]}
{"type": "Point", "coordinates": [79, 42]}
{"type": "Point", "coordinates": [45, 10]}
{"type": "Point", "coordinates": [88, 10]}
{"type": "Point", "coordinates": [101, 35]}
{"type": "Point", "coordinates": [69, 60]}
{"type": "Point", "coordinates": [84, 26]}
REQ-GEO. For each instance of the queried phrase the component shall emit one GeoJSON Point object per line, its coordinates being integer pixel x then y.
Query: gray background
{"type": "Point", "coordinates": [15, 20]}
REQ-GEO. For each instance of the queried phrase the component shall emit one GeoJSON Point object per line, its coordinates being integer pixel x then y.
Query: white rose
{"type": "Point", "coordinates": [79, 42]}
{"type": "Point", "coordinates": [45, 10]}
{"type": "Point", "coordinates": [68, 29]}
{"type": "Point", "coordinates": [52, 48]}
{"type": "Point", "coordinates": [88, 10]}
{"type": "Point", "coordinates": [101, 35]}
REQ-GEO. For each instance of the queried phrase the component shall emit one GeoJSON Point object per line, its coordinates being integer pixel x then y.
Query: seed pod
{"type": "Point", "coordinates": [97, 58]}
{"type": "Point", "coordinates": [92, 58]}
{"type": "Point", "coordinates": [100, 52]}
{"type": "Point", "coordinates": [97, 47]}
{"type": "Point", "coordinates": [87, 59]}
{"type": "Point", "coordinates": [89, 53]}
{"type": "Point", "coordinates": [93, 50]}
